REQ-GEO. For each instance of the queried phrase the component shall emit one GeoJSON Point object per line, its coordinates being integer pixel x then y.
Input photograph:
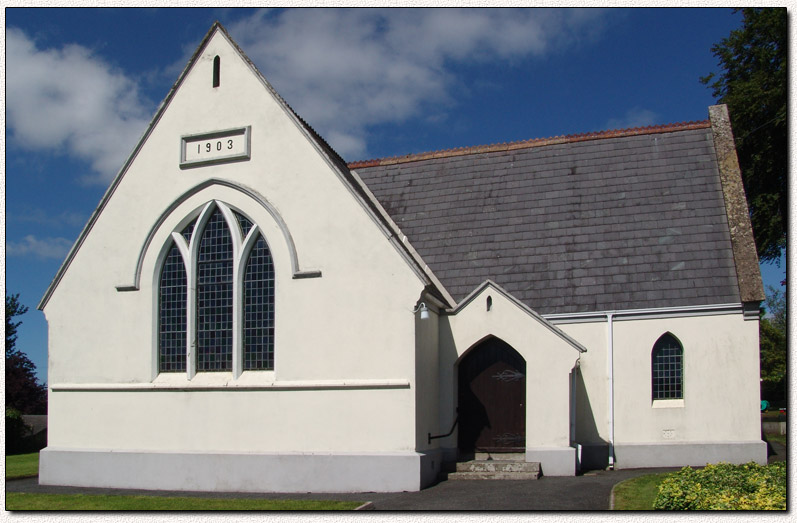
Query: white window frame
{"type": "Point", "coordinates": [668, 402]}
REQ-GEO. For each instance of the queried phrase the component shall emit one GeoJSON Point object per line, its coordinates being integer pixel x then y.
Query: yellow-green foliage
{"type": "Point", "coordinates": [725, 487]}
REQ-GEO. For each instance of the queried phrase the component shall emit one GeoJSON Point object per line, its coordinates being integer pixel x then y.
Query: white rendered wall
{"type": "Point", "coordinates": [721, 381]}
{"type": "Point", "coordinates": [592, 401]}
{"type": "Point", "coordinates": [354, 323]}
{"type": "Point", "coordinates": [322, 421]}
{"type": "Point", "coordinates": [718, 418]}
{"type": "Point", "coordinates": [427, 372]}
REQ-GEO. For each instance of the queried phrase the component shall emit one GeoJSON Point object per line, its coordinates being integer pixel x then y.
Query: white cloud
{"type": "Point", "coordinates": [72, 101]}
{"type": "Point", "coordinates": [346, 70]}
{"type": "Point", "coordinates": [635, 117]}
{"type": "Point", "coordinates": [55, 248]}
{"type": "Point", "coordinates": [342, 70]}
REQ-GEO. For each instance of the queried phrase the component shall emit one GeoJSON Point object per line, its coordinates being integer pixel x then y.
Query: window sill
{"type": "Point", "coordinates": [183, 385]}
{"type": "Point", "coordinates": [668, 404]}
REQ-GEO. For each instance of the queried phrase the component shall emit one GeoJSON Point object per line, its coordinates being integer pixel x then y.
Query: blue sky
{"type": "Point", "coordinates": [82, 84]}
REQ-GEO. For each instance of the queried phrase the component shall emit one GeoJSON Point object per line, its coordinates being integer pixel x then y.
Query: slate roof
{"type": "Point", "coordinates": [609, 221]}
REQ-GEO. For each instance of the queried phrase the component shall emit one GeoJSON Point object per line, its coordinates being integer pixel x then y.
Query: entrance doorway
{"type": "Point", "coordinates": [492, 397]}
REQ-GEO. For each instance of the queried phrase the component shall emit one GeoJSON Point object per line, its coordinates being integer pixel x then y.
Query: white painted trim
{"type": "Point", "coordinates": [245, 131]}
{"type": "Point", "coordinates": [251, 193]}
{"type": "Point", "coordinates": [230, 385]}
{"type": "Point", "coordinates": [668, 404]}
{"type": "Point", "coordinates": [182, 246]}
{"type": "Point", "coordinates": [519, 304]}
{"type": "Point", "coordinates": [652, 313]}
{"type": "Point", "coordinates": [239, 270]}
{"type": "Point", "coordinates": [401, 242]}
{"type": "Point", "coordinates": [190, 305]}
{"type": "Point", "coordinates": [237, 294]}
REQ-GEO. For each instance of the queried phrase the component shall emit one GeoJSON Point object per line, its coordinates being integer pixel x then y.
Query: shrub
{"type": "Point", "coordinates": [725, 487]}
{"type": "Point", "coordinates": [16, 430]}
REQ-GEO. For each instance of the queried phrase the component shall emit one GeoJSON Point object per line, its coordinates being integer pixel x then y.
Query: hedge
{"type": "Point", "coordinates": [725, 487]}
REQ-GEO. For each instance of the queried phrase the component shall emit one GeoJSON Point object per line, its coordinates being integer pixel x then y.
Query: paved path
{"type": "Point", "coordinates": [778, 452]}
{"type": "Point", "coordinates": [588, 492]}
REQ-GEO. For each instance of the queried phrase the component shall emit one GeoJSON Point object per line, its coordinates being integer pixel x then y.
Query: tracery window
{"type": "Point", "coordinates": [667, 360]}
{"type": "Point", "coordinates": [229, 316]}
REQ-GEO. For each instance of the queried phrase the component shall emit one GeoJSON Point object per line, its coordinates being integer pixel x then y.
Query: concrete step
{"type": "Point", "coordinates": [497, 466]}
{"type": "Point", "coordinates": [496, 469]}
{"type": "Point", "coordinates": [493, 475]}
{"type": "Point", "coordinates": [500, 456]}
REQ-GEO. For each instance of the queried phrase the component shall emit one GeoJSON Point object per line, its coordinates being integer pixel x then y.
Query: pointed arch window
{"type": "Point", "coordinates": [216, 296]}
{"type": "Point", "coordinates": [667, 360]}
{"type": "Point", "coordinates": [172, 308]}
{"type": "Point", "coordinates": [214, 305]}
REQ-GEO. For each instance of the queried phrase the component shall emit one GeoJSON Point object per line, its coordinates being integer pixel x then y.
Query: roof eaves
{"type": "Point", "coordinates": [402, 241]}
{"type": "Point", "coordinates": [519, 304]}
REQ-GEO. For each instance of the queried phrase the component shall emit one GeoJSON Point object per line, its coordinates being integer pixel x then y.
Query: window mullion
{"type": "Point", "coordinates": [237, 287]}
{"type": "Point", "coordinates": [196, 239]}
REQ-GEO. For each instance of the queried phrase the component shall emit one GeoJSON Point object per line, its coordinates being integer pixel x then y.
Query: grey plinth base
{"type": "Point", "coordinates": [554, 461]}
{"type": "Point", "coordinates": [641, 455]}
{"type": "Point", "coordinates": [233, 472]}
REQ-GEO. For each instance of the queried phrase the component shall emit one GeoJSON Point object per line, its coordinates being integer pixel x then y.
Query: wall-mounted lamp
{"type": "Point", "coordinates": [424, 311]}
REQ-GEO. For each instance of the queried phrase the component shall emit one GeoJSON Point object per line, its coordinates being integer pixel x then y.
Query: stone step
{"type": "Point", "coordinates": [494, 475]}
{"type": "Point", "coordinates": [496, 469]}
{"type": "Point", "coordinates": [500, 456]}
{"type": "Point", "coordinates": [497, 466]}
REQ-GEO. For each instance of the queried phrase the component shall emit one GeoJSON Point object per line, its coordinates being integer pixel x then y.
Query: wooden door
{"type": "Point", "coordinates": [492, 397]}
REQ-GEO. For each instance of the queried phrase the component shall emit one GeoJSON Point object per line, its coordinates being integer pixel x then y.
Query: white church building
{"type": "Point", "coordinates": [246, 311]}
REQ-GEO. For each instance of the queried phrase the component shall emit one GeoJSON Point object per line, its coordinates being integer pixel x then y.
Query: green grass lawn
{"type": "Point", "coordinates": [637, 493]}
{"type": "Point", "coordinates": [22, 465]}
{"type": "Point", "coordinates": [772, 415]}
{"type": "Point", "coordinates": [780, 438]}
{"type": "Point", "coordinates": [24, 501]}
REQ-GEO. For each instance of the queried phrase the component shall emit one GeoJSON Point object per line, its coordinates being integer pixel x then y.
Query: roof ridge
{"type": "Point", "coordinates": [533, 142]}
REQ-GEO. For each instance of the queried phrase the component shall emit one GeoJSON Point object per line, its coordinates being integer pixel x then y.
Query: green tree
{"type": "Point", "coordinates": [13, 309]}
{"type": "Point", "coordinates": [753, 84]}
{"type": "Point", "coordinates": [772, 334]}
{"type": "Point", "coordinates": [23, 391]}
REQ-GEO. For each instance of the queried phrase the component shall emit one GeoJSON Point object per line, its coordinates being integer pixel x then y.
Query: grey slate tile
{"type": "Point", "coordinates": [554, 223]}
